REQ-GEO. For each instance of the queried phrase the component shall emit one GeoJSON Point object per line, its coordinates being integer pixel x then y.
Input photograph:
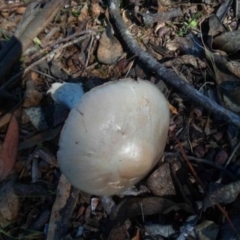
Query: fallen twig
{"type": "Point", "coordinates": [165, 74]}
{"type": "Point", "coordinates": [204, 161]}
{"type": "Point", "coordinates": [59, 41]}
{"type": "Point", "coordinates": [11, 6]}
{"type": "Point", "coordinates": [194, 173]}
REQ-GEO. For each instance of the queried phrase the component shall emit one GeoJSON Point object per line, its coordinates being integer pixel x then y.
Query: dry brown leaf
{"type": "Point", "coordinates": [80, 211]}
{"type": "Point", "coordinates": [5, 14]}
{"type": "Point", "coordinates": [124, 16]}
{"type": "Point", "coordinates": [32, 95]}
{"type": "Point", "coordinates": [109, 49]}
{"type": "Point", "coordinates": [234, 67]}
{"type": "Point", "coordinates": [9, 149]}
{"type": "Point", "coordinates": [186, 59]}
{"type": "Point", "coordinates": [172, 109]}
{"type": "Point", "coordinates": [6, 25]}
{"type": "Point", "coordinates": [21, 10]}
{"type": "Point", "coordinates": [164, 3]}
{"type": "Point", "coordinates": [95, 9]}
{"type": "Point", "coordinates": [83, 13]}
{"type": "Point", "coordinates": [39, 138]}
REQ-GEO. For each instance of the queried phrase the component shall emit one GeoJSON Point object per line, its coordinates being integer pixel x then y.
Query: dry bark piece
{"type": "Point", "coordinates": [63, 193]}
{"type": "Point", "coordinates": [160, 181]}
{"type": "Point", "coordinates": [109, 49]}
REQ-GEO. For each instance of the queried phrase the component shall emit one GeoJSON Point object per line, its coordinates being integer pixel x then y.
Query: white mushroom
{"type": "Point", "coordinates": [114, 136]}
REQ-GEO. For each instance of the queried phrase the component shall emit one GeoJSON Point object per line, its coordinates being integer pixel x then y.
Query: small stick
{"type": "Point", "coordinates": [188, 163]}
{"type": "Point", "coordinates": [48, 47]}
{"type": "Point", "coordinates": [89, 51]}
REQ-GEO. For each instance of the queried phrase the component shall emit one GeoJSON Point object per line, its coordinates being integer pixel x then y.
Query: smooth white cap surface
{"type": "Point", "coordinates": [114, 136]}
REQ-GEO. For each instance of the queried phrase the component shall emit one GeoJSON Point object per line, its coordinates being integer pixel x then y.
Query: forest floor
{"type": "Point", "coordinates": [189, 50]}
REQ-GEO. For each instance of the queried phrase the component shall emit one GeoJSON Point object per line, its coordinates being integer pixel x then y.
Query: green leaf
{"type": "Point", "coordinates": [193, 23]}
{"type": "Point", "coordinates": [37, 41]}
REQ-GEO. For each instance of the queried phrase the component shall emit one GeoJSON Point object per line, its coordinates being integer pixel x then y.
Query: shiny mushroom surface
{"type": "Point", "coordinates": [114, 136]}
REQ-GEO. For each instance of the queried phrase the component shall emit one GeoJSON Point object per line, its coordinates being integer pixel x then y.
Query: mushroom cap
{"type": "Point", "coordinates": [114, 136]}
